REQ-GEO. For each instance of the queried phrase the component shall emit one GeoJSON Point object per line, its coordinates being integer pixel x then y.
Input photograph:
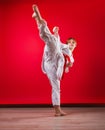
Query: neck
{"type": "Point", "coordinates": [72, 50]}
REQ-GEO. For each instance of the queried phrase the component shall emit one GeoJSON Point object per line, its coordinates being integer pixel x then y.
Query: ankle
{"type": "Point", "coordinates": [57, 108]}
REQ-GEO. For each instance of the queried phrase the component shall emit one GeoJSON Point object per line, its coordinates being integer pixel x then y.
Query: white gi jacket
{"type": "Point", "coordinates": [53, 59]}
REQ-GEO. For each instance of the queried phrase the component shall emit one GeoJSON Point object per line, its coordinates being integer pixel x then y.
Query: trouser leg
{"type": "Point", "coordinates": [55, 91]}
{"type": "Point", "coordinates": [55, 83]}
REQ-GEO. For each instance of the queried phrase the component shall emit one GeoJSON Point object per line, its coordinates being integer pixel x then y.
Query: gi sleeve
{"type": "Point", "coordinates": [66, 51]}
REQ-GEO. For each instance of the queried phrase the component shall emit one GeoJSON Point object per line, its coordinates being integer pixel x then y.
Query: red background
{"type": "Point", "coordinates": [21, 49]}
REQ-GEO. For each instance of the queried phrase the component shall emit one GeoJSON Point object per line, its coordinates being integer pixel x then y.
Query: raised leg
{"type": "Point", "coordinates": [37, 14]}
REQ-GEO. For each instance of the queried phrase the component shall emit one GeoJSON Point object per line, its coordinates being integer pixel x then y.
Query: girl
{"type": "Point", "coordinates": [53, 59]}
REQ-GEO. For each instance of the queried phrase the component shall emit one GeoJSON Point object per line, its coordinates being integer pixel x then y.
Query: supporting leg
{"type": "Point", "coordinates": [56, 97]}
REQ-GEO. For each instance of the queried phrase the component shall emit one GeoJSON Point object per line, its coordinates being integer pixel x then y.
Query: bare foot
{"type": "Point", "coordinates": [34, 15]}
{"type": "Point", "coordinates": [61, 113]}
{"type": "Point", "coordinates": [33, 7]}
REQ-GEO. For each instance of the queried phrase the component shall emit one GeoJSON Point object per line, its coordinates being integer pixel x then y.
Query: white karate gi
{"type": "Point", "coordinates": [53, 60]}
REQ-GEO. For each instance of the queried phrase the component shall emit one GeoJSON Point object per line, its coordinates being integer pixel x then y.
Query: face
{"type": "Point", "coordinates": [72, 44]}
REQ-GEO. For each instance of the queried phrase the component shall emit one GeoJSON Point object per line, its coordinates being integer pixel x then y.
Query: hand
{"type": "Point", "coordinates": [66, 69]}
{"type": "Point", "coordinates": [70, 64]}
